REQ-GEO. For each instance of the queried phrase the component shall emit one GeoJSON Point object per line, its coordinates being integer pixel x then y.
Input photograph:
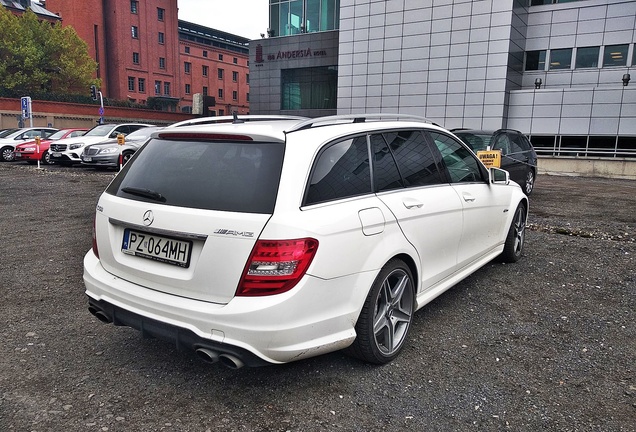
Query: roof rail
{"type": "Point", "coordinates": [356, 118]}
{"type": "Point", "coordinates": [235, 118]}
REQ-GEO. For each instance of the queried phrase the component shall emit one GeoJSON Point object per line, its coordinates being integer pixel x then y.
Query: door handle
{"type": "Point", "coordinates": [410, 203]}
{"type": "Point", "coordinates": [468, 198]}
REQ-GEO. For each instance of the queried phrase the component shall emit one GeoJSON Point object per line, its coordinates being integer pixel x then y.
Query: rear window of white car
{"type": "Point", "coordinates": [211, 175]}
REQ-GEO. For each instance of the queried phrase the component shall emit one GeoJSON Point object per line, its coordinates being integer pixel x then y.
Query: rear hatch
{"type": "Point", "coordinates": [183, 215]}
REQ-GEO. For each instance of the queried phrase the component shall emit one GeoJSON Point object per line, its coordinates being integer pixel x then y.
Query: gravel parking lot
{"type": "Point", "coordinates": [548, 343]}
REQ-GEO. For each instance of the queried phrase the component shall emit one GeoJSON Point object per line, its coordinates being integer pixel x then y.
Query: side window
{"type": "Point", "coordinates": [385, 171]}
{"type": "Point", "coordinates": [502, 142]}
{"type": "Point", "coordinates": [462, 166]}
{"type": "Point", "coordinates": [414, 158]}
{"type": "Point", "coordinates": [519, 144]}
{"type": "Point", "coordinates": [341, 171]}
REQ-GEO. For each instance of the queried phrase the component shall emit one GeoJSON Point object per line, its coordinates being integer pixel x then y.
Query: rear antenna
{"type": "Point", "coordinates": [236, 119]}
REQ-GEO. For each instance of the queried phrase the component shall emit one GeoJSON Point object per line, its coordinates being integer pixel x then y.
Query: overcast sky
{"type": "Point", "coordinates": [247, 18]}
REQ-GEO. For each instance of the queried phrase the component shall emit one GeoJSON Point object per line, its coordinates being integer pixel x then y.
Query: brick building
{"type": "Point", "coordinates": [146, 55]}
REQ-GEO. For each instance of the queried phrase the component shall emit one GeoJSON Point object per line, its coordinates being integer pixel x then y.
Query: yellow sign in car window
{"type": "Point", "coordinates": [490, 158]}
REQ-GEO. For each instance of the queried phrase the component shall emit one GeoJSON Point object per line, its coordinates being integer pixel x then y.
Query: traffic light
{"type": "Point", "coordinates": [94, 92]}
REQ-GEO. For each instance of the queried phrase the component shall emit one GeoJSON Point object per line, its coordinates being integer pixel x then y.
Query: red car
{"type": "Point", "coordinates": [28, 151]}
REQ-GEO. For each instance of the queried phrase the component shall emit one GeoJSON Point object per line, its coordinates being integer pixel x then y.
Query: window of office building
{"type": "Point", "coordinates": [205, 91]}
{"type": "Point", "coordinates": [234, 95]}
{"type": "Point", "coordinates": [136, 58]}
{"type": "Point", "coordinates": [141, 84]}
{"type": "Point", "coordinates": [135, 32]}
{"type": "Point", "coordinates": [587, 57]}
{"type": "Point", "coordinates": [162, 63]}
{"type": "Point", "coordinates": [161, 13]}
{"type": "Point", "coordinates": [162, 38]}
{"type": "Point", "coordinates": [220, 93]}
{"type": "Point", "coordinates": [235, 60]}
{"type": "Point", "coordinates": [134, 6]}
{"type": "Point", "coordinates": [220, 74]}
{"type": "Point", "coordinates": [309, 88]}
{"type": "Point", "coordinates": [247, 78]}
{"type": "Point", "coordinates": [220, 57]}
{"type": "Point", "coordinates": [204, 70]}
{"type": "Point", "coordinates": [561, 58]}
{"type": "Point", "coordinates": [288, 17]}
{"type": "Point", "coordinates": [187, 88]}
{"type": "Point", "coordinates": [205, 53]}
{"type": "Point", "coordinates": [157, 87]}
{"type": "Point", "coordinates": [187, 67]}
{"type": "Point", "coordinates": [234, 76]}
{"type": "Point", "coordinates": [166, 88]}
{"type": "Point", "coordinates": [131, 83]}
{"type": "Point", "coordinates": [615, 55]}
{"type": "Point", "coordinates": [535, 60]}
{"type": "Point", "coordinates": [187, 50]}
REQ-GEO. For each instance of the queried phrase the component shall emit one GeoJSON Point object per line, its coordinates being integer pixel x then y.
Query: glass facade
{"type": "Point", "coordinates": [290, 17]}
{"type": "Point", "coordinates": [309, 88]}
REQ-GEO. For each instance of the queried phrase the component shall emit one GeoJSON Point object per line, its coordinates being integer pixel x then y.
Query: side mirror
{"type": "Point", "coordinates": [499, 176]}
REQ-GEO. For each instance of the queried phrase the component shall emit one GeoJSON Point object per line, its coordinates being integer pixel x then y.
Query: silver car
{"type": "Point", "coordinates": [110, 154]}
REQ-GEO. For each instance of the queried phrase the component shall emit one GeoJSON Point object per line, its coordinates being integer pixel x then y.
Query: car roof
{"type": "Point", "coordinates": [277, 128]}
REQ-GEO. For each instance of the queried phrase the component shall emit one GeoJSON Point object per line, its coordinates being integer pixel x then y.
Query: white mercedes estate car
{"type": "Point", "coordinates": [265, 242]}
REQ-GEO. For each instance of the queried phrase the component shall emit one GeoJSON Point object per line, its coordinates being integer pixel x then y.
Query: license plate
{"type": "Point", "coordinates": [56, 154]}
{"type": "Point", "coordinates": [87, 158]}
{"type": "Point", "coordinates": [17, 154]}
{"type": "Point", "coordinates": [159, 248]}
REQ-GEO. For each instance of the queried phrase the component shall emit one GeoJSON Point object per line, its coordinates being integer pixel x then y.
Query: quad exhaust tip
{"type": "Point", "coordinates": [227, 360]}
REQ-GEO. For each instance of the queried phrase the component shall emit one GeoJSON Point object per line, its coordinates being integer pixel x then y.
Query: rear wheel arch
{"type": "Point", "coordinates": [386, 316]}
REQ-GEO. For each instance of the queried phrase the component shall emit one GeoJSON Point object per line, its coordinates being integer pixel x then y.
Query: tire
{"type": "Point", "coordinates": [528, 185]}
{"type": "Point", "coordinates": [386, 316]}
{"type": "Point", "coordinates": [516, 238]}
{"type": "Point", "coordinates": [126, 157]}
{"type": "Point", "coordinates": [46, 158]}
{"type": "Point", "coordinates": [6, 154]}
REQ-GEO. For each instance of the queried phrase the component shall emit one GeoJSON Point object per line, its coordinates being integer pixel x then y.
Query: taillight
{"type": "Point", "coordinates": [95, 251]}
{"type": "Point", "coordinates": [276, 266]}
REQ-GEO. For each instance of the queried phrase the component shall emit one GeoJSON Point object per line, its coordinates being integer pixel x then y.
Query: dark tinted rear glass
{"type": "Point", "coordinates": [227, 176]}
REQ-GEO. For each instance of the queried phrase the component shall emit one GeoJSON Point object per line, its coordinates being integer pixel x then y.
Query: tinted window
{"type": "Point", "coordinates": [461, 164]}
{"type": "Point", "coordinates": [502, 142]}
{"type": "Point", "coordinates": [341, 171]}
{"type": "Point", "coordinates": [385, 171]}
{"type": "Point", "coordinates": [226, 176]}
{"type": "Point", "coordinates": [520, 143]}
{"type": "Point", "coordinates": [414, 158]}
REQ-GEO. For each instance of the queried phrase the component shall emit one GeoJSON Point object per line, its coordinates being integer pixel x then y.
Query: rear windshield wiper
{"type": "Point", "coordinates": [146, 193]}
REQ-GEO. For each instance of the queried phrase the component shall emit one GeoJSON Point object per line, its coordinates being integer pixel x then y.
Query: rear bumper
{"type": "Point", "coordinates": [316, 317]}
{"type": "Point", "coordinates": [182, 338]}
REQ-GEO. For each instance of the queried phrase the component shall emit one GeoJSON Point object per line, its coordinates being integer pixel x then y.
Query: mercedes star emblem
{"type": "Point", "coordinates": [149, 218]}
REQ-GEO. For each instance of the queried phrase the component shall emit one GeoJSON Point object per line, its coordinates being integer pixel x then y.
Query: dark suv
{"type": "Point", "coordinates": [517, 154]}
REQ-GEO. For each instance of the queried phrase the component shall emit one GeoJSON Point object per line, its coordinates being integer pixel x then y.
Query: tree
{"type": "Point", "coordinates": [39, 58]}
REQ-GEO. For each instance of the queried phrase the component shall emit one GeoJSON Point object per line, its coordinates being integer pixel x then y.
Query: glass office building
{"type": "Point", "coordinates": [561, 71]}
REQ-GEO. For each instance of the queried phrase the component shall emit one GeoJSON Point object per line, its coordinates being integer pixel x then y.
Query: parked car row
{"type": "Point", "coordinates": [67, 146]}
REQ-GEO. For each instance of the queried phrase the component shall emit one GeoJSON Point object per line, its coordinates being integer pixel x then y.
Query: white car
{"type": "Point", "coordinates": [265, 242]}
{"type": "Point", "coordinates": [9, 138]}
{"type": "Point", "coordinates": [68, 151]}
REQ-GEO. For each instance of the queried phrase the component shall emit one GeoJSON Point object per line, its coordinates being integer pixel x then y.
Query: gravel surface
{"type": "Point", "coordinates": [548, 343]}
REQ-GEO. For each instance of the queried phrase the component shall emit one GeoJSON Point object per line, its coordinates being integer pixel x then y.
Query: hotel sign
{"type": "Point", "coordinates": [288, 55]}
